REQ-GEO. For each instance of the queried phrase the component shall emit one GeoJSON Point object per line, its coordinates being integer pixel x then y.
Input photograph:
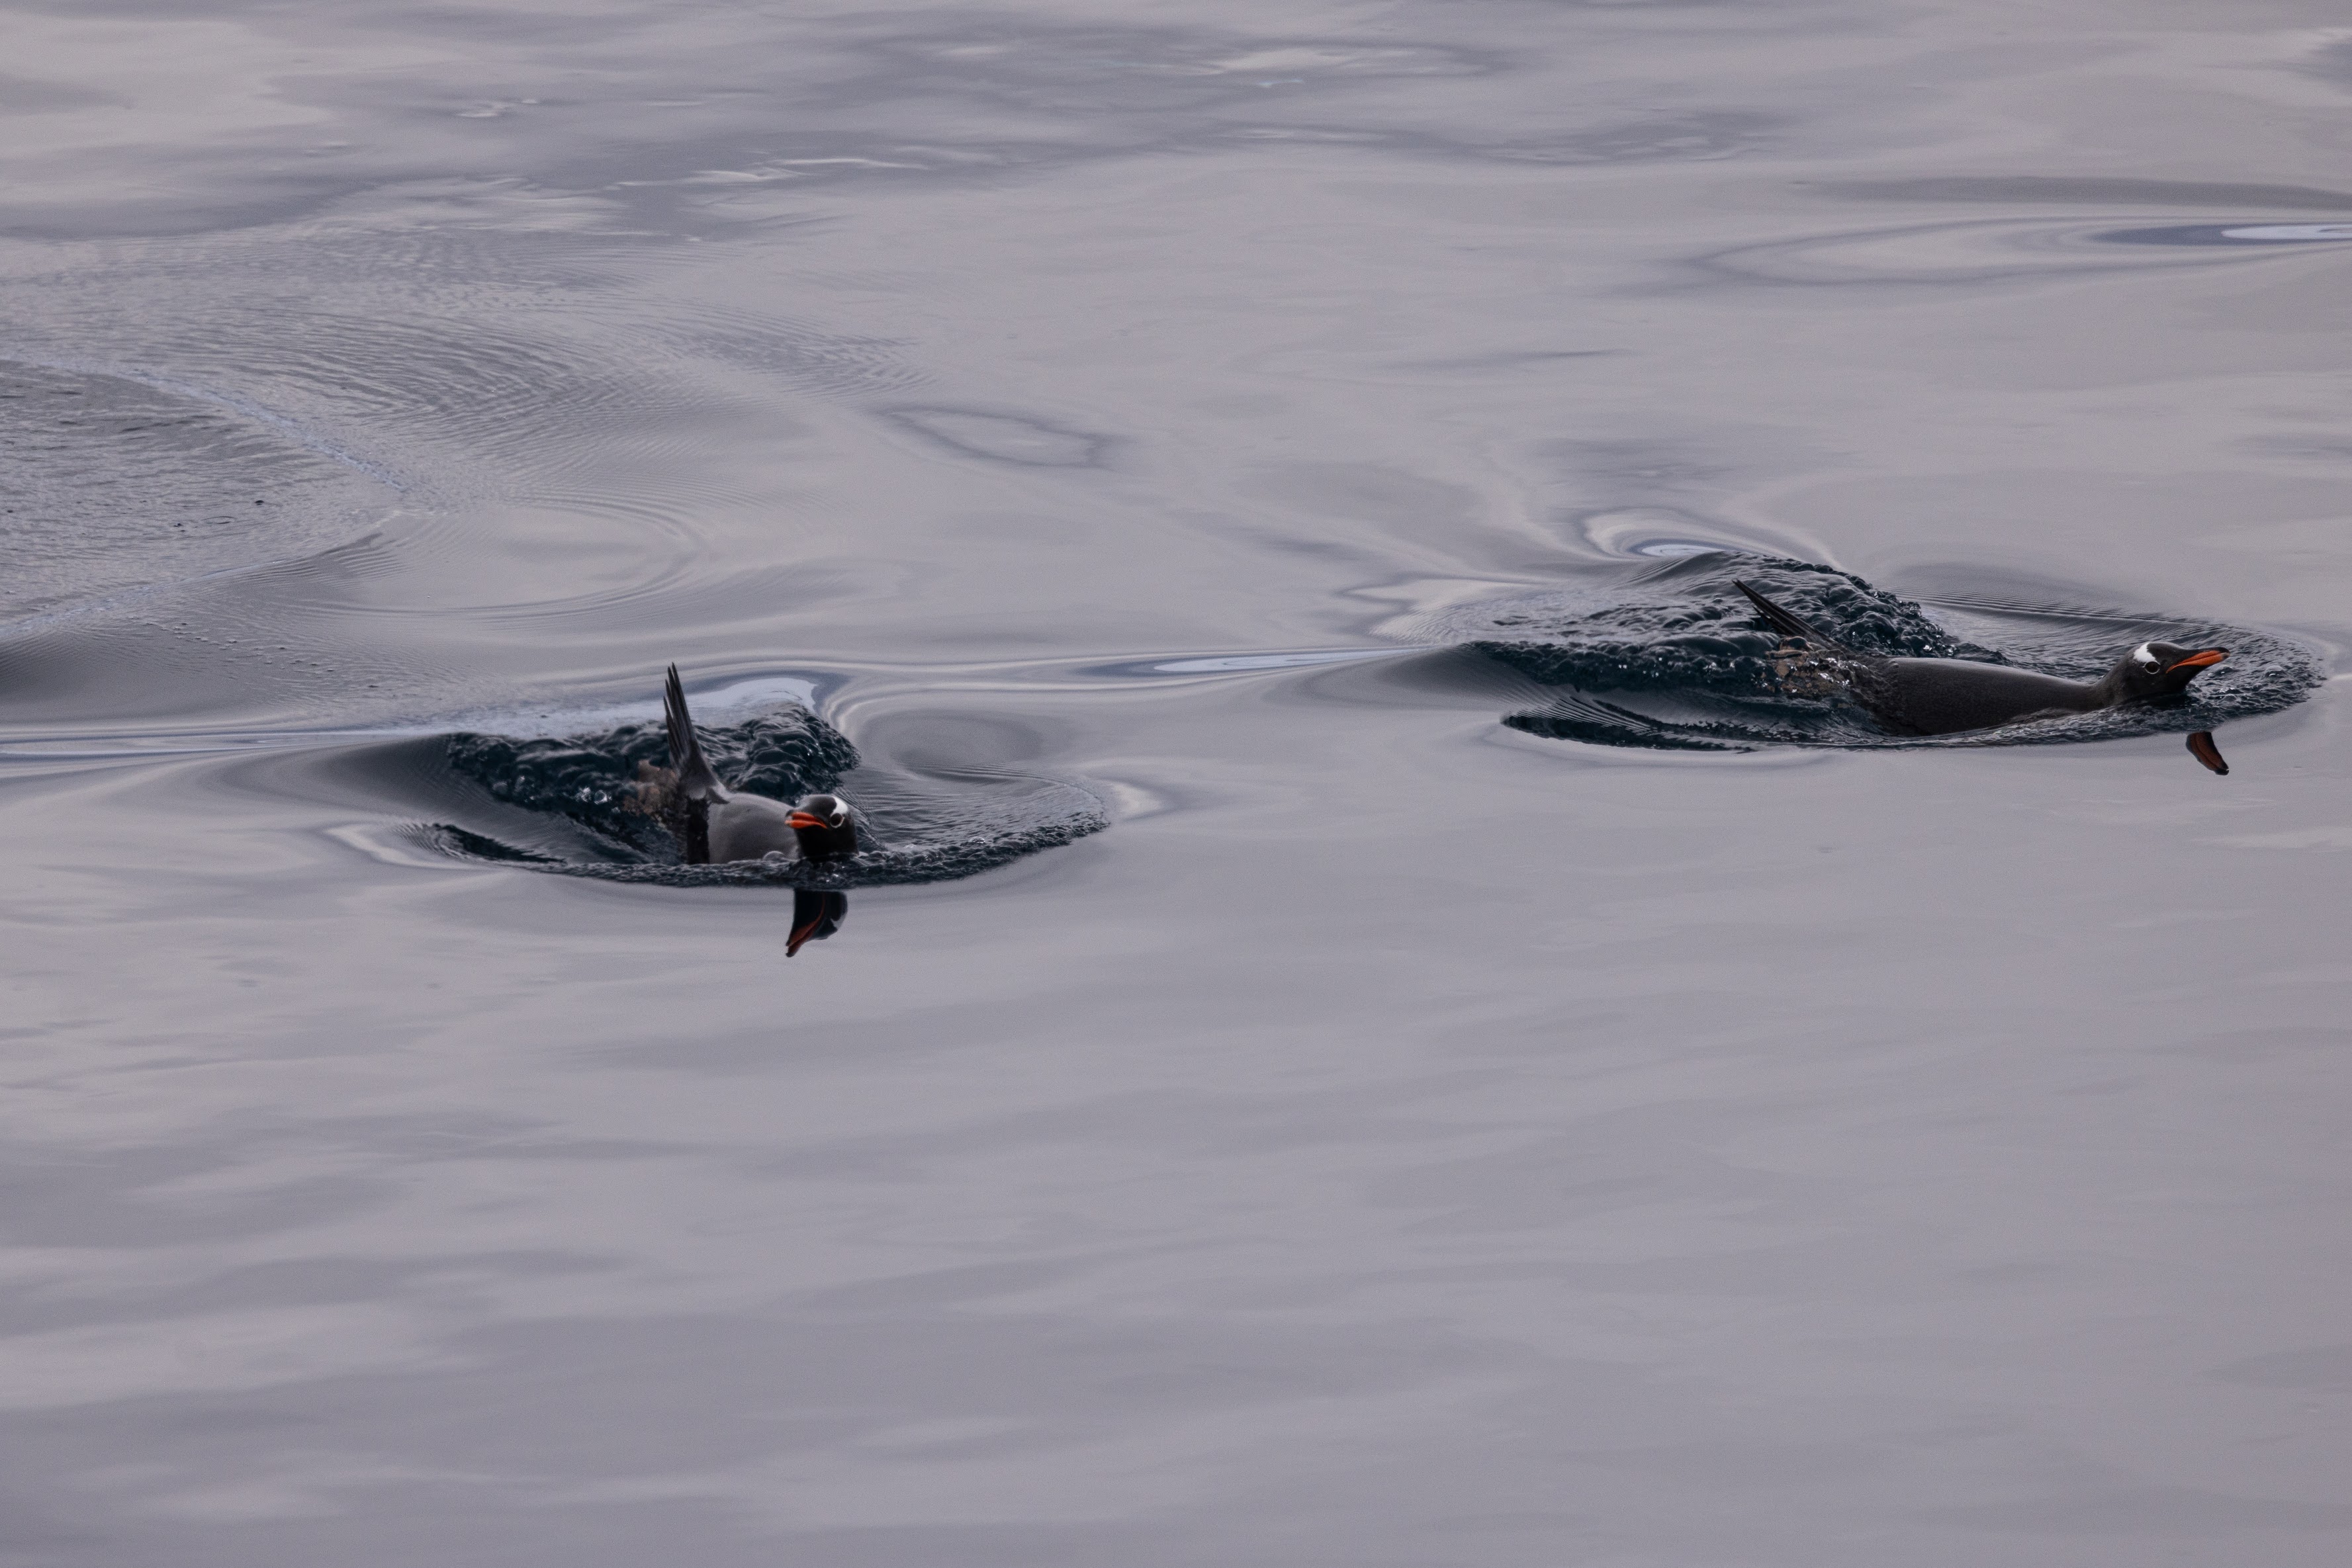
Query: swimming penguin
{"type": "Point", "coordinates": [1943, 696]}
{"type": "Point", "coordinates": [720, 827]}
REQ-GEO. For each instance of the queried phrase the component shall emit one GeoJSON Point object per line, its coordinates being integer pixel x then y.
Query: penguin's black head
{"type": "Point", "coordinates": [826, 827]}
{"type": "Point", "coordinates": [2162, 669]}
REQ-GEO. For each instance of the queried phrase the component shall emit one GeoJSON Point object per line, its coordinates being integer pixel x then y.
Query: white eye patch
{"type": "Point", "coordinates": [2148, 660]}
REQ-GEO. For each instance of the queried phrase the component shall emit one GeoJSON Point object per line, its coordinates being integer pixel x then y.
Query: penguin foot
{"type": "Point", "coordinates": [654, 793]}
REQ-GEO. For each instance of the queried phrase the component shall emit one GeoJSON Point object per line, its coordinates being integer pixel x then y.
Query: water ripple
{"type": "Point", "coordinates": [114, 485]}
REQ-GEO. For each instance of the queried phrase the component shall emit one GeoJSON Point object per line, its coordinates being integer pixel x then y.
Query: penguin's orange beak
{"type": "Point", "coordinates": [805, 820]}
{"type": "Point", "coordinates": [2199, 660]}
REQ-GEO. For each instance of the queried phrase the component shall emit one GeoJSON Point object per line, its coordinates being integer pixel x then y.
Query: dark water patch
{"type": "Point", "coordinates": [111, 484]}
{"type": "Point", "coordinates": [590, 804]}
{"type": "Point", "coordinates": [1673, 657]}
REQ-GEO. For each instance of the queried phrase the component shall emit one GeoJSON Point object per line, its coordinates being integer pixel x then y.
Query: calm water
{"type": "Point", "coordinates": [1395, 1138]}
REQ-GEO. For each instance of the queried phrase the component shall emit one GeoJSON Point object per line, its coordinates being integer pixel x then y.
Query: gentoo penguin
{"type": "Point", "coordinates": [1942, 697]}
{"type": "Point", "coordinates": [721, 827]}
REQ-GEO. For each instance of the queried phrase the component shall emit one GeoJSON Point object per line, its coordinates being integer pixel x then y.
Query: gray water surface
{"type": "Point", "coordinates": [1394, 1139]}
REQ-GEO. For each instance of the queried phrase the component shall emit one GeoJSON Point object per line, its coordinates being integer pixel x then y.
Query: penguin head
{"type": "Point", "coordinates": [2162, 669]}
{"type": "Point", "coordinates": [826, 827]}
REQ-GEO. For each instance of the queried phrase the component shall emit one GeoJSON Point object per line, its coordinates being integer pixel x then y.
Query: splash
{"type": "Point", "coordinates": [1673, 658]}
{"type": "Point", "coordinates": [576, 806]}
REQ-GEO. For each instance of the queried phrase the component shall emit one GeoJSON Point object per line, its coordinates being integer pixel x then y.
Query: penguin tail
{"type": "Point", "coordinates": [695, 782]}
{"type": "Point", "coordinates": [1783, 622]}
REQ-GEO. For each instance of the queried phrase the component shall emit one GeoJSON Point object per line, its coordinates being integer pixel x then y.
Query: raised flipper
{"type": "Point", "coordinates": [697, 786]}
{"type": "Point", "coordinates": [695, 782]}
{"type": "Point", "coordinates": [1785, 624]}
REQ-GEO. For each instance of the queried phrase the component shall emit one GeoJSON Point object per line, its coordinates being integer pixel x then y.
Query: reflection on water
{"type": "Point", "coordinates": [817, 914]}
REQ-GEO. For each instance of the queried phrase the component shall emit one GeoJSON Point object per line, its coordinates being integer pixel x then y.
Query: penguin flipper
{"type": "Point", "coordinates": [1784, 623]}
{"type": "Point", "coordinates": [695, 782]}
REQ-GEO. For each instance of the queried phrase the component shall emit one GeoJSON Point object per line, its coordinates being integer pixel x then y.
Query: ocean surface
{"type": "Point", "coordinates": [1342, 1053]}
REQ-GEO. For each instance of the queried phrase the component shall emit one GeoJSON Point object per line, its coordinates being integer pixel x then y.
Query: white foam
{"type": "Point", "coordinates": [2277, 232]}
